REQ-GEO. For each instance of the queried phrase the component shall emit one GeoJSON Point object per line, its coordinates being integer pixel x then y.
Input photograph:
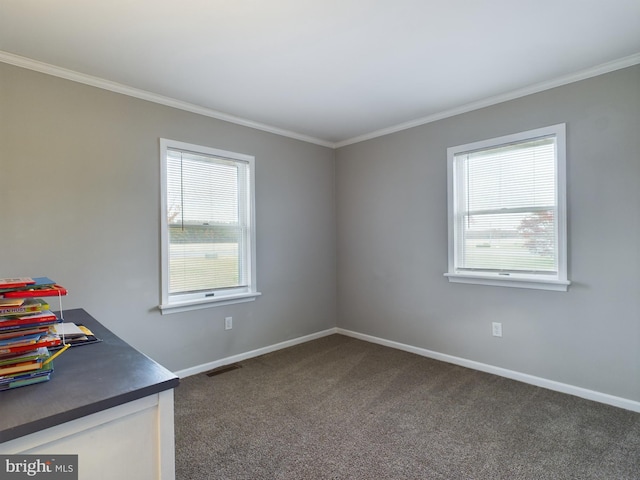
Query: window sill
{"type": "Point", "coordinates": [512, 281]}
{"type": "Point", "coordinates": [199, 304]}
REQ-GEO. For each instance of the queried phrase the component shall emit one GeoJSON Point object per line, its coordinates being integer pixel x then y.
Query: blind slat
{"type": "Point", "coordinates": [506, 208]}
{"type": "Point", "coordinates": [208, 234]}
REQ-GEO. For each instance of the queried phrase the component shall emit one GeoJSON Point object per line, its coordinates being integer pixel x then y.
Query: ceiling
{"type": "Point", "coordinates": [329, 71]}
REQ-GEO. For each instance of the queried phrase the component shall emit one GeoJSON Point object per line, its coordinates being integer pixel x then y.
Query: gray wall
{"type": "Point", "coordinates": [392, 242]}
{"type": "Point", "coordinates": [79, 202]}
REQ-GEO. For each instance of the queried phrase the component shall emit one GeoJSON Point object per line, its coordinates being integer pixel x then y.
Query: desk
{"type": "Point", "coordinates": [106, 402]}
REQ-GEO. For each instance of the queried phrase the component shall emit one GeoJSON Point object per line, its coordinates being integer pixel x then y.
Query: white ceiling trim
{"type": "Point", "coordinates": [72, 75]}
{"type": "Point", "coordinates": [487, 102]}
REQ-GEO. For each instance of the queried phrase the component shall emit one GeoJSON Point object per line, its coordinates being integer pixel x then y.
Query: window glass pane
{"type": "Point", "coordinates": [506, 208]}
{"type": "Point", "coordinates": [513, 176]}
{"type": "Point", "coordinates": [511, 242]}
{"type": "Point", "coordinates": [207, 218]}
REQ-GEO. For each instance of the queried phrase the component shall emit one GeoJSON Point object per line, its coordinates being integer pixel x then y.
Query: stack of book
{"type": "Point", "coordinates": [25, 330]}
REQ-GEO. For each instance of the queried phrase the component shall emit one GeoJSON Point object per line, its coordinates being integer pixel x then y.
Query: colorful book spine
{"type": "Point", "coordinates": [19, 332]}
{"type": "Point", "coordinates": [23, 382]}
{"type": "Point", "coordinates": [35, 282]}
{"type": "Point", "coordinates": [25, 333]}
{"type": "Point", "coordinates": [20, 367]}
{"type": "Point", "coordinates": [43, 341]}
{"type": "Point", "coordinates": [16, 282]}
{"type": "Point", "coordinates": [37, 319]}
{"type": "Point", "coordinates": [27, 307]}
{"type": "Point", "coordinates": [21, 379]}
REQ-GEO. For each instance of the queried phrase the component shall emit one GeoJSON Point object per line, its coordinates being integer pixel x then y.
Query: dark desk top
{"type": "Point", "coordinates": [86, 379]}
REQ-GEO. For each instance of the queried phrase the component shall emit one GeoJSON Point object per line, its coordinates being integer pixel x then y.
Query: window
{"type": "Point", "coordinates": [507, 214]}
{"type": "Point", "coordinates": [207, 227]}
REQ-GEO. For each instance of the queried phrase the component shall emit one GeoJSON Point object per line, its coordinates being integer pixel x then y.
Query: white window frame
{"type": "Point", "coordinates": [558, 281]}
{"type": "Point", "coordinates": [192, 301]}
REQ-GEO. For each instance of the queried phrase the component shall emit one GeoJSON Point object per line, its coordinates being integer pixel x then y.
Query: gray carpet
{"type": "Point", "coordinates": [341, 408]}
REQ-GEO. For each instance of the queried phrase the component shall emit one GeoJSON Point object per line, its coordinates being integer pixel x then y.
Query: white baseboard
{"type": "Point", "coordinates": [463, 362]}
{"type": "Point", "coordinates": [502, 372]}
{"type": "Point", "coordinates": [205, 367]}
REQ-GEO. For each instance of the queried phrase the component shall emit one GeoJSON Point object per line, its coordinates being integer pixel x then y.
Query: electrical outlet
{"type": "Point", "coordinates": [497, 329]}
{"type": "Point", "coordinates": [228, 323]}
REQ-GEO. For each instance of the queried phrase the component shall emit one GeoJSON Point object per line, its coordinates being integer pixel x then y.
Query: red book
{"type": "Point", "coordinates": [24, 321]}
{"type": "Point", "coordinates": [44, 341]}
{"type": "Point", "coordinates": [44, 291]}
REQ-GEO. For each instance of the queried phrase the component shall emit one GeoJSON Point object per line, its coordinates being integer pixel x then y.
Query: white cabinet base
{"type": "Point", "coordinates": [133, 440]}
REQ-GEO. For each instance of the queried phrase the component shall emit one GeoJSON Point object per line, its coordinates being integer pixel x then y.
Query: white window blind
{"type": "Point", "coordinates": [507, 214]}
{"type": "Point", "coordinates": [208, 236]}
{"type": "Point", "coordinates": [506, 208]}
{"type": "Point", "coordinates": [208, 225]}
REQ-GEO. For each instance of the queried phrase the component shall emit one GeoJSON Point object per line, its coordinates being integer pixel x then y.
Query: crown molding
{"type": "Point", "coordinates": [487, 102]}
{"type": "Point", "coordinates": [74, 76]}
